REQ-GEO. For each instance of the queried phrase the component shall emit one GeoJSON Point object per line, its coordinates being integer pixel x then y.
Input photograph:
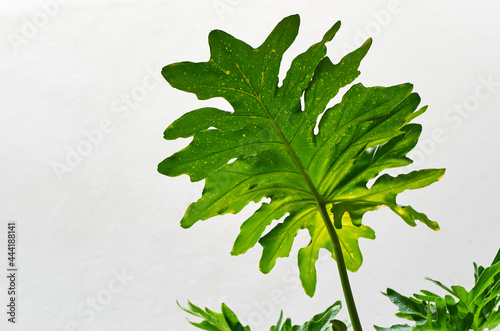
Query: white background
{"type": "Point", "coordinates": [106, 229]}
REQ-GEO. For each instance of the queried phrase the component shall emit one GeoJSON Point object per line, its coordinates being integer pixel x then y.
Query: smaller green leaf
{"type": "Point", "coordinates": [497, 258]}
{"type": "Point", "coordinates": [485, 280]}
{"type": "Point", "coordinates": [287, 326]}
{"type": "Point", "coordinates": [231, 320]}
{"type": "Point", "coordinates": [479, 308]}
{"type": "Point", "coordinates": [406, 305]}
{"type": "Point", "coordinates": [322, 321]}
{"type": "Point", "coordinates": [493, 320]}
{"type": "Point", "coordinates": [441, 315]}
{"type": "Point", "coordinates": [338, 326]}
{"type": "Point", "coordinates": [427, 296]}
{"type": "Point", "coordinates": [277, 327]}
{"type": "Point", "coordinates": [477, 271]}
{"type": "Point", "coordinates": [440, 285]}
{"type": "Point", "coordinates": [461, 293]}
{"type": "Point", "coordinates": [228, 321]}
{"type": "Point", "coordinates": [212, 321]}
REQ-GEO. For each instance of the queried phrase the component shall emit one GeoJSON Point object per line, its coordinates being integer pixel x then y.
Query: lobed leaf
{"type": "Point", "coordinates": [278, 155]}
{"type": "Point", "coordinates": [477, 309]}
{"type": "Point", "coordinates": [212, 321]}
{"type": "Point", "coordinates": [228, 321]}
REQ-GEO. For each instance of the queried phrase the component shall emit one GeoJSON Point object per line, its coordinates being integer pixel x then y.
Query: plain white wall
{"type": "Point", "coordinates": [100, 246]}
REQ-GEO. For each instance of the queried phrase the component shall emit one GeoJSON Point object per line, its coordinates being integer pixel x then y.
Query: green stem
{"type": "Point", "coordinates": [344, 278]}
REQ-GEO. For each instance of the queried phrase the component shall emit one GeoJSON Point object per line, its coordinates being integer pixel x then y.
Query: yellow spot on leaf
{"type": "Point", "coordinates": [228, 72]}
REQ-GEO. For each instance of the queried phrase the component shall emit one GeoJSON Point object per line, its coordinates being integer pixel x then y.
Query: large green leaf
{"type": "Point", "coordinates": [267, 147]}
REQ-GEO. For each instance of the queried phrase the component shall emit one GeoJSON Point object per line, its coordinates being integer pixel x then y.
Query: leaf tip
{"type": "Point", "coordinates": [331, 33]}
{"type": "Point", "coordinates": [165, 71]}
{"type": "Point", "coordinates": [265, 266]}
{"type": "Point", "coordinates": [237, 251]}
{"type": "Point", "coordinates": [309, 291]}
{"type": "Point", "coordinates": [441, 176]}
{"type": "Point", "coordinates": [368, 42]}
{"type": "Point", "coordinates": [167, 133]}
{"type": "Point", "coordinates": [185, 224]}
{"type": "Point", "coordinates": [292, 20]}
{"type": "Point", "coordinates": [295, 17]}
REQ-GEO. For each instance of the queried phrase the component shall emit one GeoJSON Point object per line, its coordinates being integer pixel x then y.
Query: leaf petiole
{"type": "Point", "coordinates": [344, 278]}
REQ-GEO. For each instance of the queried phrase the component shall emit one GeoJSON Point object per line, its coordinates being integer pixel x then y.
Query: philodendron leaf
{"type": "Point", "coordinates": [322, 321]}
{"type": "Point", "coordinates": [228, 321]}
{"type": "Point", "coordinates": [267, 147]}
{"type": "Point", "coordinates": [477, 309]}
{"type": "Point", "coordinates": [213, 321]}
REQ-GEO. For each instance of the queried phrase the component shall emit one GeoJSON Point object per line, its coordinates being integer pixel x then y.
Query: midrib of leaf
{"type": "Point", "coordinates": [291, 152]}
{"type": "Point", "coordinates": [338, 246]}
{"type": "Point", "coordinates": [289, 149]}
{"type": "Point", "coordinates": [321, 207]}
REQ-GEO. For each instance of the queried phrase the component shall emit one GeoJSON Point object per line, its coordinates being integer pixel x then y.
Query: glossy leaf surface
{"type": "Point", "coordinates": [268, 147]}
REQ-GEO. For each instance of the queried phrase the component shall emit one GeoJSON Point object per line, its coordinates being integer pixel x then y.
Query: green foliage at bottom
{"type": "Point", "coordinates": [228, 321]}
{"type": "Point", "coordinates": [477, 309]}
